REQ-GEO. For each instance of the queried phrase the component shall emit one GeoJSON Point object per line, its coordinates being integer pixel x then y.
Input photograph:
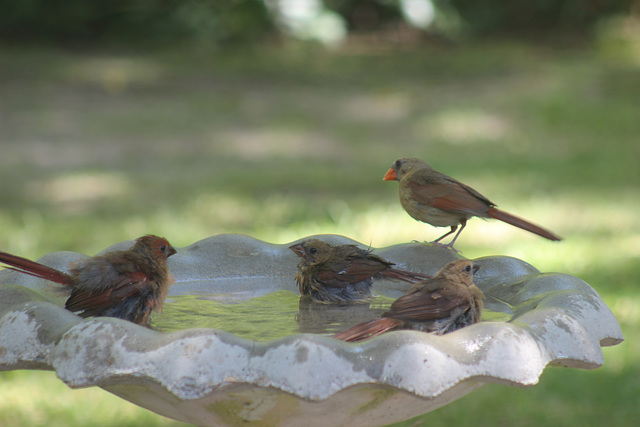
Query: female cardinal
{"type": "Point", "coordinates": [444, 303]}
{"type": "Point", "coordinates": [441, 201]}
{"type": "Point", "coordinates": [124, 284]}
{"type": "Point", "coordinates": [342, 274]}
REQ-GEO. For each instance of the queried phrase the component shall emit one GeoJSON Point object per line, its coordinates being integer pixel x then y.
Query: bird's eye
{"type": "Point", "coordinates": [163, 248]}
{"type": "Point", "coordinates": [398, 164]}
{"type": "Point", "coordinates": [467, 268]}
{"type": "Point", "coordinates": [313, 251]}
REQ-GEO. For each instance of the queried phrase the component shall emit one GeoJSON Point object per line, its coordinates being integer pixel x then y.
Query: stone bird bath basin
{"type": "Point", "coordinates": [208, 376]}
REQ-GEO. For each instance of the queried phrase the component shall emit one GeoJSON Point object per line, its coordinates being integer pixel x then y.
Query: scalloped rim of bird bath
{"type": "Point", "coordinates": [211, 377]}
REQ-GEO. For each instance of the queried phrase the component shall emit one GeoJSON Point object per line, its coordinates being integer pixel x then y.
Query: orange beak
{"type": "Point", "coordinates": [390, 175]}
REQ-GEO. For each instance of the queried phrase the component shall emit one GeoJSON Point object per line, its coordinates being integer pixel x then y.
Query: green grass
{"type": "Point", "coordinates": [282, 143]}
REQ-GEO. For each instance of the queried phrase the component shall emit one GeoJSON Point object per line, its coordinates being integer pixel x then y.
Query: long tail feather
{"type": "Point", "coordinates": [404, 275]}
{"type": "Point", "coordinates": [32, 268]}
{"type": "Point", "coordinates": [369, 329]}
{"type": "Point", "coordinates": [521, 223]}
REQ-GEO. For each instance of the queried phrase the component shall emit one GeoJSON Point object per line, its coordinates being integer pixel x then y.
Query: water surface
{"type": "Point", "coordinates": [270, 316]}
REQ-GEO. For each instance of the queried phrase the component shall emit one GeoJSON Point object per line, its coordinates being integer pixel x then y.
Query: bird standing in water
{"type": "Point", "coordinates": [129, 284]}
{"type": "Point", "coordinates": [444, 303]}
{"type": "Point", "coordinates": [344, 273]}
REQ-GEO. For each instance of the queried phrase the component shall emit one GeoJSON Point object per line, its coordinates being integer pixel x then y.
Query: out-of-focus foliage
{"type": "Point", "coordinates": [367, 15]}
{"type": "Point", "coordinates": [141, 21]}
{"type": "Point", "coordinates": [169, 21]}
{"type": "Point", "coordinates": [535, 16]}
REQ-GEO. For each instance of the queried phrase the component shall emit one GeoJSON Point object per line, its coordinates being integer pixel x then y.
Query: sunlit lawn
{"type": "Point", "coordinates": [280, 144]}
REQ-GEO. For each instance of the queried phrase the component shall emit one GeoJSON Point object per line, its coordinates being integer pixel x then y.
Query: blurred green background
{"type": "Point", "coordinates": [277, 119]}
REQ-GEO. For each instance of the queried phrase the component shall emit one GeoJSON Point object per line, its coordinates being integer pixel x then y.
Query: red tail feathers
{"type": "Point", "coordinates": [33, 268]}
{"type": "Point", "coordinates": [521, 223]}
{"type": "Point", "coordinates": [369, 329]}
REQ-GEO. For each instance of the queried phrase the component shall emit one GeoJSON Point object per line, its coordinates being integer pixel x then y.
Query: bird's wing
{"type": "Point", "coordinates": [352, 271]}
{"type": "Point", "coordinates": [127, 285]}
{"type": "Point", "coordinates": [432, 301]}
{"type": "Point", "coordinates": [450, 195]}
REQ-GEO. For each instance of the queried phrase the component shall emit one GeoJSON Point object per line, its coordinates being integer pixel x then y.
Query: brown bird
{"type": "Point", "coordinates": [437, 199]}
{"type": "Point", "coordinates": [444, 303]}
{"type": "Point", "coordinates": [344, 273]}
{"type": "Point", "coordinates": [124, 284]}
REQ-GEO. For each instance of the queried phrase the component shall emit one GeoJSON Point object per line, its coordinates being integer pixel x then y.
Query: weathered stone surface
{"type": "Point", "coordinates": [211, 377]}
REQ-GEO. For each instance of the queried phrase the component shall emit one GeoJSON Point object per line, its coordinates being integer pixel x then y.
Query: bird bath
{"type": "Point", "coordinates": [261, 354]}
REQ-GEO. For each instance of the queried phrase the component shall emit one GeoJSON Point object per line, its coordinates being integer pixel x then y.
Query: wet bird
{"type": "Point", "coordinates": [437, 199]}
{"type": "Point", "coordinates": [127, 284]}
{"type": "Point", "coordinates": [444, 303]}
{"type": "Point", "coordinates": [343, 273]}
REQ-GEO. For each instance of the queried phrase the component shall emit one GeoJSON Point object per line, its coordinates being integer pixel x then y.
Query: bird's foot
{"type": "Point", "coordinates": [448, 246]}
{"type": "Point", "coordinates": [437, 243]}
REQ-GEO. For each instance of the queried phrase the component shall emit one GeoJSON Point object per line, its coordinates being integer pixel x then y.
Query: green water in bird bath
{"type": "Point", "coordinates": [272, 315]}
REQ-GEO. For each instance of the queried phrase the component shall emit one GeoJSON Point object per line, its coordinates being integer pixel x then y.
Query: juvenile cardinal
{"type": "Point", "coordinates": [124, 284]}
{"type": "Point", "coordinates": [444, 303]}
{"type": "Point", "coordinates": [437, 199]}
{"type": "Point", "coordinates": [342, 274]}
